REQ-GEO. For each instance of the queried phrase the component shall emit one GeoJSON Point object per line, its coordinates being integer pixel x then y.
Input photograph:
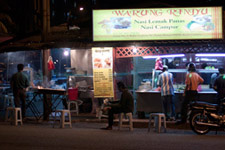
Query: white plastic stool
{"type": "Point", "coordinates": [15, 115]}
{"type": "Point", "coordinates": [130, 118]}
{"type": "Point", "coordinates": [77, 103]}
{"type": "Point", "coordinates": [160, 117]}
{"type": "Point", "coordinates": [63, 120]}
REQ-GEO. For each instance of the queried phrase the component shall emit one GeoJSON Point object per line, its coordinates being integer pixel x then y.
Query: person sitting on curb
{"type": "Point", "coordinates": [125, 105]}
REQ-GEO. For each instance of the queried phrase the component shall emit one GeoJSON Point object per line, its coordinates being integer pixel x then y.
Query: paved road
{"type": "Point", "coordinates": [88, 136]}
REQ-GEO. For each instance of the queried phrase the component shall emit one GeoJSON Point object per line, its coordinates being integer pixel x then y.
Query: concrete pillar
{"type": "Point", "coordinates": [45, 19]}
{"type": "Point", "coordinates": [46, 78]}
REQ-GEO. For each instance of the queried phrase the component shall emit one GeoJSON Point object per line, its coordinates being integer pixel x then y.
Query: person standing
{"type": "Point", "coordinates": [167, 91]}
{"type": "Point", "coordinates": [212, 79]}
{"type": "Point", "coordinates": [219, 86]}
{"type": "Point", "coordinates": [175, 63]}
{"type": "Point", "coordinates": [125, 105]}
{"type": "Point", "coordinates": [19, 82]}
{"type": "Point", "coordinates": [192, 81]}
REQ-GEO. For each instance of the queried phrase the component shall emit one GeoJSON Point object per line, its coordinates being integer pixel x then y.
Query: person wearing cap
{"type": "Point", "coordinates": [167, 91]}
{"type": "Point", "coordinates": [193, 79]}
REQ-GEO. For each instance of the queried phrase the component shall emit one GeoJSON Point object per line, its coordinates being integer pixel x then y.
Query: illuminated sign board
{"type": "Point", "coordinates": [102, 60]}
{"type": "Point", "coordinates": [157, 24]}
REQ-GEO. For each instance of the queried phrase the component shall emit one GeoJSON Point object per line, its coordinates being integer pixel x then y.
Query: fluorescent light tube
{"type": "Point", "coordinates": [163, 56]}
{"type": "Point", "coordinates": [210, 55]}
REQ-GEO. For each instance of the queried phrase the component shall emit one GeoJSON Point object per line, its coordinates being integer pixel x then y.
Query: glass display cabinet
{"type": "Point", "coordinates": [179, 78]}
{"type": "Point", "coordinates": [150, 100]}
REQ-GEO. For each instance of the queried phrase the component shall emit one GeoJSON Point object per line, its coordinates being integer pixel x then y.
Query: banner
{"type": "Point", "coordinates": [103, 71]}
{"type": "Point", "coordinates": [157, 24]}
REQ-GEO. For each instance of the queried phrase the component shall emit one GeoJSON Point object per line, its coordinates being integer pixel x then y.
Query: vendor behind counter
{"type": "Point", "coordinates": [174, 63]}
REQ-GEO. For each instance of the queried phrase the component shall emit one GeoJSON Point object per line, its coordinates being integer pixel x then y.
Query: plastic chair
{"type": "Point", "coordinates": [73, 101]}
{"type": "Point", "coordinates": [157, 118]}
{"type": "Point", "coordinates": [130, 120]}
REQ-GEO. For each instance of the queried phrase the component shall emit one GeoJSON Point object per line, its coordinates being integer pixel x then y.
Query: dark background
{"type": "Point", "coordinates": [22, 12]}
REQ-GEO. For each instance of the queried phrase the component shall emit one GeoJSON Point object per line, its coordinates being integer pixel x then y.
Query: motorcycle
{"type": "Point", "coordinates": [206, 116]}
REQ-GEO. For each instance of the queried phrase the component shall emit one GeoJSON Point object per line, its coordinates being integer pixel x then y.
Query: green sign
{"type": "Point", "coordinates": [157, 24]}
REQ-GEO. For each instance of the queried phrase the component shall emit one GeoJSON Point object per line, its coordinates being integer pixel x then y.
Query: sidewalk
{"type": "Point", "coordinates": [91, 118]}
{"type": "Point", "coordinates": [137, 123]}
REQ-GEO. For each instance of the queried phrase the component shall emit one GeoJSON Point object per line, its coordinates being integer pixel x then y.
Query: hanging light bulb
{"type": "Point", "coordinates": [66, 53]}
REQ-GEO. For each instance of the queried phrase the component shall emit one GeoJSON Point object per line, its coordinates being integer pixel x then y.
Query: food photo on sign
{"type": "Point", "coordinates": [102, 61]}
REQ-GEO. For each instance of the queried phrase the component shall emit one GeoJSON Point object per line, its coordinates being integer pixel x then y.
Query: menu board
{"type": "Point", "coordinates": [157, 24]}
{"type": "Point", "coordinates": [103, 71]}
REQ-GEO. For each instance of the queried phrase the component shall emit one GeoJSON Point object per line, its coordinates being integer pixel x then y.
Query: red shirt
{"type": "Point", "coordinates": [51, 65]}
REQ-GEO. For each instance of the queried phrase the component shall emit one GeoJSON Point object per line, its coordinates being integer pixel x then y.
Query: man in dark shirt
{"type": "Point", "coordinates": [125, 105]}
{"type": "Point", "coordinates": [219, 86]}
{"type": "Point", "coordinates": [173, 64]}
{"type": "Point", "coordinates": [19, 83]}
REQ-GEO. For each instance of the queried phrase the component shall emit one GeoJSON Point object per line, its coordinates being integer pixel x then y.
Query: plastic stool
{"type": "Point", "coordinates": [16, 113]}
{"type": "Point", "coordinates": [160, 117]}
{"type": "Point", "coordinates": [77, 103]}
{"type": "Point", "coordinates": [130, 118]}
{"type": "Point", "coordinates": [63, 121]}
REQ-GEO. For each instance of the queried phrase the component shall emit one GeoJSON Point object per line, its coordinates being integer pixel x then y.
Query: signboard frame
{"type": "Point", "coordinates": [106, 26]}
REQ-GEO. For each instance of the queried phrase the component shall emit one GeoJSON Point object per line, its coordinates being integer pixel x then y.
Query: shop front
{"type": "Point", "coordinates": [136, 42]}
{"type": "Point", "coordinates": [66, 68]}
{"type": "Point", "coordinates": [141, 75]}
{"type": "Point", "coordinates": [176, 35]}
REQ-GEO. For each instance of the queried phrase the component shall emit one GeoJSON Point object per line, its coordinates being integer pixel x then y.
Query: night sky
{"type": "Point", "coordinates": [22, 13]}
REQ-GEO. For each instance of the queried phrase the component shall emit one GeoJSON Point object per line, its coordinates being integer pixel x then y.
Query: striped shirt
{"type": "Point", "coordinates": [166, 83]}
{"type": "Point", "coordinates": [193, 80]}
